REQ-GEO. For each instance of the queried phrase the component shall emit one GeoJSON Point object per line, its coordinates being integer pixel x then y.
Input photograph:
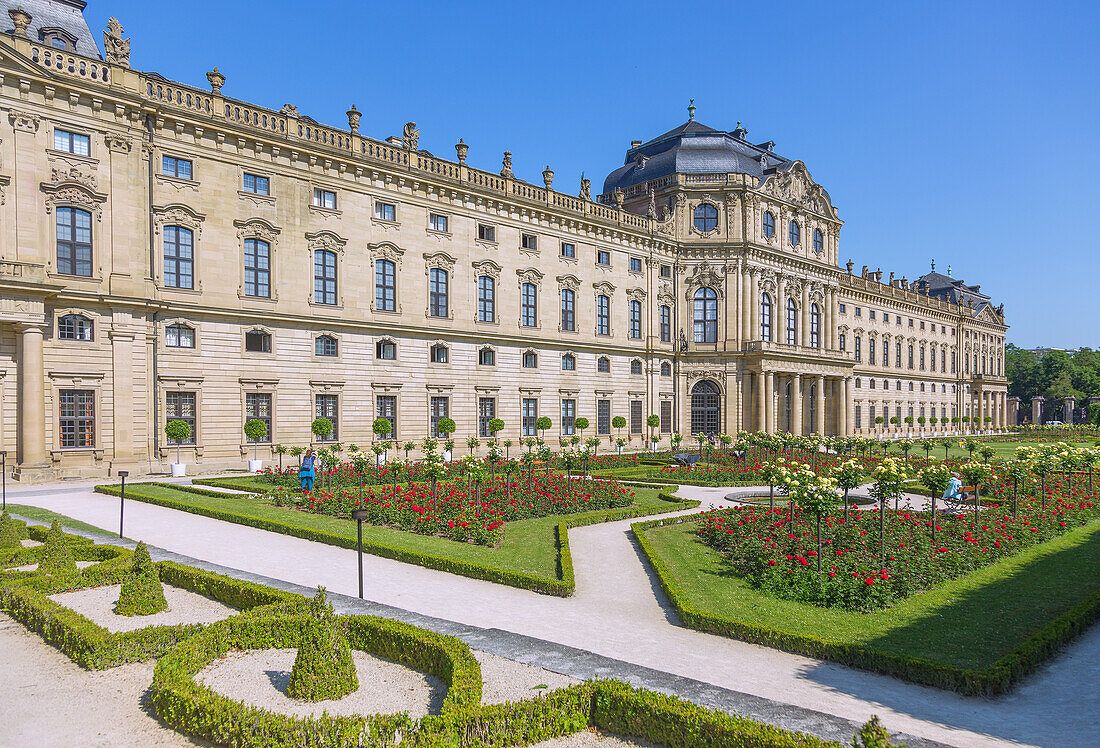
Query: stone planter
{"type": "Point", "coordinates": [179, 469]}
{"type": "Point", "coordinates": [255, 466]}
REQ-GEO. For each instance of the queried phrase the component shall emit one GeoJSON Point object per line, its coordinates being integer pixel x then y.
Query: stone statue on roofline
{"type": "Point", "coordinates": [410, 137]}
{"type": "Point", "coordinates": [115, 48]}
{"type": "Point", "coordinates": [586, 188]}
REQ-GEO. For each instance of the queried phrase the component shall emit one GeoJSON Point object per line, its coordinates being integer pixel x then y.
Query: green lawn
{"type": "Point", "coordinates": [45, 515]}
{"type": "Point", "coordinates": [975, 623]}
{"type": "Point", "coordinates": [1004, 450]}
{"type": "Point", "coordinates": [528, 556]}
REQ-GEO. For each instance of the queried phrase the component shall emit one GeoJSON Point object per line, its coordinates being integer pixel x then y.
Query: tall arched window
{"type": "Point", "coordinates": [871, 351]}
{"type": "Point", "coordinates": [769, 224]}
{"type": "Point", "coordinates": [437, 293]}
{"type": "Point", "coordinates": [603, 315]}
{"type": "Point", "coordinates": [706, 217]}
{"type": "Point", "coordinates": [74, 241]}
{"type": "Point", "coordinates": [794, 233]}
{"type": "Point", "coordinates": [706, 315]}
{"type": "Point", "coordinates": [815, 326]}
{"type": "Point", "coordinates": [324, 277]}
{"type": "Point", "coordinates": [765, 317]}
{"type": "Point", "coordinates": [385, 286]}
{"type": "Point", "coordinates": [568, 310]}
{"type": "Point", "coordinates": [819, 241]}
{"type": "Point", "coordinates": [528, 305]}
{"type": "Point", "coordinates": [705, 407]}
{"type": "Point", "coordinates": [178, 258]}
{"type": "Point", "coordinates": [792, 323]}
{"type": "Point", "coordinates": [486, 298]}
{"type": "Point", "coordinates": [635, 319]}
{"type": "Point", "coordinates": [257, 268]}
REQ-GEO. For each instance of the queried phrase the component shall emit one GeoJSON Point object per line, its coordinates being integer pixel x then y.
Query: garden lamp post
{"type": "Point", "coordinates": [359, 515]}
{"type": "Point", "coordinates": [121, 499]}
{"type": "Point", "coordinates": [4, 477]}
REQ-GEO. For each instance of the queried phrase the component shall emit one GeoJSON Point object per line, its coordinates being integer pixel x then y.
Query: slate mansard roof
{"type": "Point", "coordinates": [954, 291]}
{"type": "Point", "coordinates": [64, 15]}
{"type": "Point", "coordinates": [694, 148]}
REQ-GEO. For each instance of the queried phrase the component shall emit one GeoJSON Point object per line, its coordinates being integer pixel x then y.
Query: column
{"type": "Point", "coordinates": [833, 339]}
{"type": "Point", "coordinates": [122, 358]}
{"type": "Point", "coordinates": [739, 329]}
{"type": "Point", "coordinates": [849, 411]}
{"type": "Point", "coordinates": [819, 406]}
{"type": "Point", "coordinates": [1037, 409]}
{"type": "Point", "coordinates": [769, 402]}
{"type": "Point", "coordinates": [796, 405]}
{"type": "Point", "coordinates": [32, 418]}
{"type": "Point", "coordinates": [760, 393]}
{"type": "Point", "coordinates": [746, 304]}
{"type": "Point", "coordinates": [754, 308]}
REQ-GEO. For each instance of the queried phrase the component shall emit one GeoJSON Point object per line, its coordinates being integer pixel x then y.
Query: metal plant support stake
{"type": "Point", "coordinates": [359, 515]}
{"type": "Point", "coordinates": [121, 499]}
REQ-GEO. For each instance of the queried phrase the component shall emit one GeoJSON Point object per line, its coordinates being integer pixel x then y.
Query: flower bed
{"type": "Point", "coordinates": [463, 512]}
{"type": "Point", "coordinates": [762, 547]}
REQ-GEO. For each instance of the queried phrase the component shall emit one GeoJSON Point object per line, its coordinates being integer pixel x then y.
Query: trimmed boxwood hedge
{"type": "Point", "coordinates": [561, 587]}
{"type": "Point", "coordinates": [997, 679]}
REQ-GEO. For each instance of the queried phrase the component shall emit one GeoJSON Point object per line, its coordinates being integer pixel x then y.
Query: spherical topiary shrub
{"type": "Point", "coordinates": [12, 533]}
{"type": "Point", "coordinates": [179, 432]}
{"type": "Point", "coordinates": [321, 428]}
{"type": "Point", "coordinates": [57, 556]}
{"type": "Point", "coordinates": [323, 668]}
{"type": "Point", "coordinates": [446, 426]}
{"type": "Point", "coordinates": [142, 593]}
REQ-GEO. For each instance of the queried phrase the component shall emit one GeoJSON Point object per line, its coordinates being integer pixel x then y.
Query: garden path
{"type": "Point", "coordinates": [619, 612]}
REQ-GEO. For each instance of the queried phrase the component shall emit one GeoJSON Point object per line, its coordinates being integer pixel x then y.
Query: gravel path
{"type": "Point", "coordinates": [98, 605]}
{"type": "Point", "coordinates": [48, 700]}
{"type": "Point", "coordinates": [506, 680]}
{"type": "Point", "coordinates": [592, 739]}
{"type": "Point", "coordinates": [33, 567]}
{"type": "Point", "coordinates": [259, 677]}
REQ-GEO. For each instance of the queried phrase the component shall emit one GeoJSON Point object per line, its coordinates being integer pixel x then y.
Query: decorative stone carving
{"type": "Point", "coordinates": [410, 136]}
{"type": "Point", "coordinates": [353, 119]}
{"type": "Point", "coordinates": [703, 275]}
{"type": "Point", "coordinates": [326, 240]}
{"type": "Point", "coordinates": [20, 20]}
{"type": "Point", "coordinates": [568, 281]}
{"type": "Point", "coordinates": [487, 267]}
{"type": "Point", "coordinates": [619, 198]}
{"type": "Point", "coordinates": [440, 260]}
{"type": "Point", "coordinates": [257, 228]}
{"type": "Point", "coordinates": [548, 177]}
{"type": "Point", "coordinates": [72, 175]}
{"type": "Point", "coordinates": [288, 109]}
{"type": "Point", "coordinates": [177, 215]}
{"type": "Point", "coordinates": [118, 143]}
{"type": "Point", "coordinates": [217, 80]}
{"type": "Point", "coordinates": [529, 275]}
{"type": "Point", "coordinates": [635, 294]}
{"type": "Point", "coordinates": [24, 121]}
{"type": "Point", "coordinates": [586, 189]}
{"type": "Point", "coordinates": [386, 251]}
{"type": "Point", "coordinates": [115, 48]}
{"type": "Point", "coordinates": [797, 187]}
{"type": "Point", "coordinates": [461, 149]}
{"type": "Point", "coordinates": [603, 287]}
{"type": "Point", "coordinates": [506, 165]}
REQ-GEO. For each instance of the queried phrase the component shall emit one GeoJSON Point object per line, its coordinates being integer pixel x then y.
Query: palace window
{"type": "Point", "coordinates": [792, 323]}
{"type": "Point", "coordinates": [568, 416]}
{"type": "Point", "coordinates": [666, 417]}
{"type": "Point", "coordinates": [175, 167]}
{"type": "Point", "coordinates": [635, 265]}
{"type": "Point", "coordinates": [75, 327]}
{"type": "Point", "coordinates": [440, 407]}
{"type": "Point", "coordinates": [568, 362]}
{"type": "Point", "coordinates": [325, 345]}
{"type": "Point", "coordinates": [486, 298]}
{"type": "Point", "coordinates": [74, 242]}
{"type": "Point", "coordinates": [179, 336]}
{"type": "Point", "coordinates": [666, 369]}
{"type": "Point", "coordinates": [76, 427]}
{"type": "Point", "coordinates": [635, 416]}
{"type": "Point", "coordinates": [794, 233]}
{"type": "Point", "coordinates": [438, 354]}
{"type": "Point", "coordinates": [568, 250]}
{"type": "Point", "coordinates": [486, 411]}
{"type": "Point", "coordinates": [819, 241]}
{"type": "Point", "coordinates": [181, 406]}
{"type": "Point", "coordinates": [385, 286]}
{"type": "Point", "coordinates": [438, 222]}
{"type": "Point", "coordinates": [858, 351]}
{"type": "Point", "coordinates": [871, 351]}
{"type": "Point", "coordinates": [666, 271]}
{"type": "Point", "coordinates": [530, 360]}
{"type": "Point", "coordinates": [486, 233]}
{"type": "Point", "coordinates": [765, 316]}
{"type": "Point", "coordinates": [769, 224]}
{"type": "Point", "coordinates": [706, 218]}
{"type": "Point", "coordinates": [328, 406]}
{"type": "Point", "coordinates": [568, 310]}
{"type": "Point", "coordinates": [528, 305]}
{"type": "Point", "coordinates": [897, 356]}
{"type": "Point", "coordinates": [324, 276]}
{"type": "Point", "coordinates": [910, 355]}
{"type": "Point", "coordinates": [815, 326]}
{"type": "Point", "coordinates": [885, 352]}
{"type": "Point", "coordinates": [705, 304]}
{"type": "Point", "coordinates": [603, 365]}
{"type": "Point", "coordinates": [922, 358]}
{"type": "Point", "coordinates": [386, 407]}
{"type": "Point", "coordinates": [384, 211]}
{"type": "Point", "coordinates": [257, 268]}
{"type": "Point", "coordinates": [257, 341]}
{"type": "Point", "coordinates": [603, 315]}
{"type": "Point", "coordinates": [603, 416]}
{"type": "Point", "coordinates": [178, 257]}
{"type": "Point", "coordinates": [325, 199]}
{"type": "Point", "coordinates": [635, 319]}
{"type": "Point", "coordinates": [529, 241]}
{"type": "Point", "coordinates": [386, 350]}
{"type": "Point", "coordinates": [257, 405]}
{"type": "Point", "coordinates": [437, 292]}
{"type": "Point", "coordinates": [843, 340]}
{"type": "Point", "coordinates": [257, 184]}
{"type": "Point", "coordinates": [635, 367]}
{"type": "Point", "coordinates": [603, 257]}
{"type": "Point", "coordinates": [530, 413]}
{"type": "Point", "coordinates": [487, 357]}
{"type": "Point", "coordinates": [666, 324]}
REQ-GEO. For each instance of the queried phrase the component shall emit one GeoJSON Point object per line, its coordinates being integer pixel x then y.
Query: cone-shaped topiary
{"type": "Point", "coordinates": [872, 735]}
{"type": "Point", "coordinates": [323, 668]}
{"type": "Point", "coordinates": [11, 532]}
{"type": "Point", "coordinates": [57, 556]}
{"type": "Point", "coordinates": [142, 593]}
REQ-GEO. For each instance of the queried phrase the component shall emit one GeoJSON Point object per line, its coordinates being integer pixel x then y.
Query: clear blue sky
{"type": "Point", "coordinates": [964, 132]}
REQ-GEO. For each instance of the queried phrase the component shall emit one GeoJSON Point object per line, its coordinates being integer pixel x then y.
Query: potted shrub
{"type": "Point", "coordinates": [321, 428]}
{"type": "Point", "coordinates": [542, 423]}
{"type": "Point", "coordinates": [581, 424]}
{"type": "Point", "coordinates": [179, 432]}
{"type": "Point", "coordinates": [446, 427]}
{"type": "Point", "coordinates": [496, 425]}
{"type": "Point", "coordinates": [255, 430]}
{"type": "Point", "coordinates": [619, 423]}
{"type": "Point", "coordinates": [879, 420]}
{"type": "Point", "coordinates": [895, 421]}
{"type": "Point", "coordinates": [382, 428]}
{"type": "Point", "coordinates": [653, 421]}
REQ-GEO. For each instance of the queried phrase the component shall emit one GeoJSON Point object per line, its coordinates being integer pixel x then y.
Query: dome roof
{"type": "Point", "coordinates": [693, 148]}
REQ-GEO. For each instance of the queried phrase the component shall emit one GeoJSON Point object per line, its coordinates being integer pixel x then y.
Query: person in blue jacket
{"type": "Point", "coordinates": [953, 492]}
{"type": "Point", "coordinates": [307, 473]}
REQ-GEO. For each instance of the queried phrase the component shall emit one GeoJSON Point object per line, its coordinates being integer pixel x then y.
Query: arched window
{"type": "Point", "coordinates": [858, 348]}
{"type": "Point", "coordinates": [386, 350]}
{"type": "Point", "coordinates": [74, 241]}
{"type": "Point", "coordinates": [819, 241]}
{"type": "Point", "coordinates": [528, 305]}
{"type": "Point", "coordinates": [635, 367]}
{"type": "Point", "coordinates": [910, 355]}
{"type": "Point", "coordinates": [769, 224]}
{"type": "Point", "coordinates": [486, 298]}
{"type": "Point", "coordinates": [603, 315]}
{"type": "Point", "coordinates": [438, 354]}
{"type": "Point", "coordinates": [385, 286]}
{"type": "Point", "coordinates": [437, 293]}
{"type": "Point", "coordinates": [706, 315]}
{"type": "Point", "coordinates": [706, 217]}
{"type": "Point", "coordinates": [635, 319]}
{"type": "Point", "coordinates": [179, 336]}
{"type": "Point", "coordinates": [569, 362]}
{"type": "Point", "coordinates": [871, 351]}
{"type": "Point", "coordinates": [603, 364]}
{"type": "Point", "coordinates": [257, 268]}
{"type": "Point", "coordinates": [792, 323]}
{"type": "Point", "coordinates": [765, 317]}
{"type": "Point", "coordinates": [487, 357]}
{"type": "Point", "coordinates": [324, 277]}
{"type": "Point", "coordinates": [257, 341]}
{"type": "Point", "coordinates": [666, 369]}
{"type": "Point", "coordinates": [815, 326]}
{"type": "Point", "coordinates": [178, 257]}
{"type": "Point", "coordinates": [530, 360]}
{"type": "Point", "coordinates": [325, 345]}
{"type": "Point", "coordinates": [568, 310]}
{"type": "Point", "coordinates": [794, 233]}
{"type": "Point", "coordinates": [75, 327]}
{"type": "Point", "coordinates": [705, 405]}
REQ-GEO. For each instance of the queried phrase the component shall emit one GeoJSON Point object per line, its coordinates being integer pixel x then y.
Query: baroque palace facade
{"type": "Point", "coordinates": [172, 253]}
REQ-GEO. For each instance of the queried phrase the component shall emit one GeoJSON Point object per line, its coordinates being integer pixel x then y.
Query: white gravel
{"type": "Point", "coordinates": [48, 700]}
{"type": "Point", "coordinates": [31, 543]}
{"type": "Point", "coordinates": [34, 567]}
{"type": "Point", "coordinates": [259, 678]}
{"type": "Point", "coordinates": [506, 680]}
{"type": "Point", "coordinates": [593, 739]}
{"type": "Point", "coordinates": [98, 605]}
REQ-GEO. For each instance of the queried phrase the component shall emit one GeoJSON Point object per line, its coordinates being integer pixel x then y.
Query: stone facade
{"type": "Point", "coordinates": [235, 255]}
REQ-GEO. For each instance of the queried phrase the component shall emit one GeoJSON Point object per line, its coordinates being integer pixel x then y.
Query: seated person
{"type": "Point", "coordinates": [953, 492]}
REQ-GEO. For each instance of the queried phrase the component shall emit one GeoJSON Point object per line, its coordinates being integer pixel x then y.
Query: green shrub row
{"type": "Point", "coordinates": [562, 587]}
{"type": "Point", "coordinates": [996, 679]}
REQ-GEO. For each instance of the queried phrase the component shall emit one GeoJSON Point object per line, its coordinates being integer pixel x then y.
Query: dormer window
{"type": "Point", "coordinates": [58, 39]}
{"type": "Point", "coordinates": [706, 218]}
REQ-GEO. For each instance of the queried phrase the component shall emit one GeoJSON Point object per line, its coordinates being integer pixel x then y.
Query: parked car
{"type": "Point", "coordinates": [1055, 423]}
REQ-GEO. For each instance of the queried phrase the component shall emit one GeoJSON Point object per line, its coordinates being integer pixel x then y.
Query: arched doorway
{"type": "Point", "coordinates": [705, 407]}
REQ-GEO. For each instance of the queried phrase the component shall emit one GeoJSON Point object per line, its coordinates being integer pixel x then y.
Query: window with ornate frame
{"type": "Point", "coordinates": [765, 316]}
{"type": "Point", "coordinates": [792, 322]}
{"type": "Point", "coordinates": [75, 327]}
{"type": "Point", "coordinates": [768, 223]}
{"type": "Point", "coordinates": [74, 241]}
{"type": "Point", "coordinates": [705, 218]}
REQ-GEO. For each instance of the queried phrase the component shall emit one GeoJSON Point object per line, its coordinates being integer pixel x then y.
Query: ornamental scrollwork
{"type": "Point", "coordinates": [386, 251]}
{"type": "Point", "coordinates": [257, 228]}
{"type": "Point", "coordinates": [326, 240]}
{"type": "Point", "coordinates": [487, 268]}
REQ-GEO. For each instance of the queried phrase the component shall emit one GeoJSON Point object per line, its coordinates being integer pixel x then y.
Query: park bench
{"type": "Point", "coordinates": [686, 459]}
{"type": "Point", "coordinates": [963, 500]}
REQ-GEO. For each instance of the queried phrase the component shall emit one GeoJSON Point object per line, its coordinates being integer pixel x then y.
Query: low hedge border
{"type": "Point", "coordinates": [561, 587]}
{"type": "Point", "coordinates": [997, 679]}
{"type": "Point", "coordinates": [83, 550]}
{"type": "Point", "coordinates": [93, 647]}
{"type": "Point", "coordinates": [199, 711]}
